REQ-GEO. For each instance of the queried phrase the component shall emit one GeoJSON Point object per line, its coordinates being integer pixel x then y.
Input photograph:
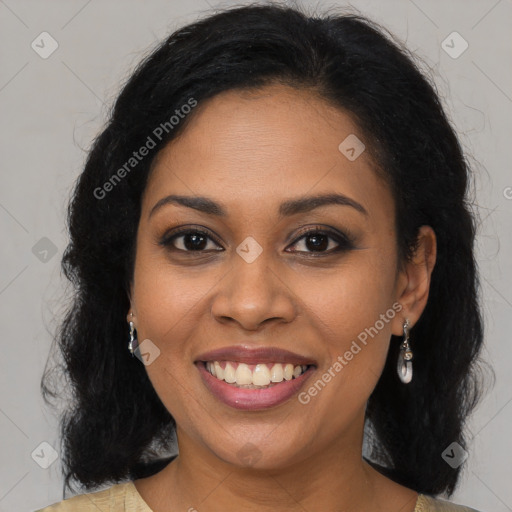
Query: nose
{"type": "Point", "coordinates": [252, 294]}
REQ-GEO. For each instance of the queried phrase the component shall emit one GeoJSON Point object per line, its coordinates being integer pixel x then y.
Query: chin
{"type": "Point", "coordinates": [264, 456]}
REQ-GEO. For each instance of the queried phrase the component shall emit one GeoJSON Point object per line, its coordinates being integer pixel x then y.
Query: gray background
{"type": "Point", "coordinates": [52, 108]}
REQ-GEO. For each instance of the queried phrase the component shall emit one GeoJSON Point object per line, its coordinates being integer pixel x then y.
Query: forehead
{"type": "Point", "coordinates": [250, 149]}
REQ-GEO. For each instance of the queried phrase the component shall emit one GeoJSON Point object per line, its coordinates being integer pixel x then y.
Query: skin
{"type": "Point", "coordinates": [250, 151]}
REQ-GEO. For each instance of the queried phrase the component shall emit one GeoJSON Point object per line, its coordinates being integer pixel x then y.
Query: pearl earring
{"type": "Point", "coordinates": [404, 365]}
{"type": "Point", "coordinates": [133, 343]}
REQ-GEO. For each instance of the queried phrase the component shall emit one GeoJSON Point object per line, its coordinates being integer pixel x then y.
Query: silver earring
{"type": "Point", "coordinates": [133, 343]}
{"type": "Point", "coordinates": [404, 365]}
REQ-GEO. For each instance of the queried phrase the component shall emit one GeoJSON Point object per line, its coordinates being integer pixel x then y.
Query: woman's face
{"type": "Point", "coordinates": [257, 284]}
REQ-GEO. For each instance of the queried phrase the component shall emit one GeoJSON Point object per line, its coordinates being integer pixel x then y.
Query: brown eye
{"type": "Point", "coordinates": [189, 240]}
{"type": "Point", "coordinates": [319, 241]}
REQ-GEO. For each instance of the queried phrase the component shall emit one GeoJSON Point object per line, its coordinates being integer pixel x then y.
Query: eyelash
{"type": "Point", "coordinates": [345, 242]}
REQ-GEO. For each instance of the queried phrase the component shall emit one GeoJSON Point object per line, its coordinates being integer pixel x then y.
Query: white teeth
{"type": "Point", "coordinates": [241, 375]}
{"type": "Point", "coordinates": [276, 373]}
{"type": "Point", "coordinates": [261, 375]}
{"type": "Point", "coordinates": [288, 371]}
{"type": "Point", "coordinates": [229, 374]}
{"type": "Point", "coordinates": [219, 372]}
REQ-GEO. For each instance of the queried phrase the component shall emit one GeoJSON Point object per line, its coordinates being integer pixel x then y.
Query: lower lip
{"type": "Point", "coordinates": [252, 399]}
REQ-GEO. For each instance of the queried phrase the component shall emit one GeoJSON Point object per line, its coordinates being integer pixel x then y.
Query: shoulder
{"type": "Point", "coordinates": [118, 498]}
{"type": "Point", "coordinates": [427, 503]}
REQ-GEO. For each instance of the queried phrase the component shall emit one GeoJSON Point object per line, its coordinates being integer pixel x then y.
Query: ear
{"type": "Point", "coordinates": [413, 282]}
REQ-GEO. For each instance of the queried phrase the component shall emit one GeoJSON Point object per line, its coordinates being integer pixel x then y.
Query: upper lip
{"type": "Point", "coordinates": [244, 354]}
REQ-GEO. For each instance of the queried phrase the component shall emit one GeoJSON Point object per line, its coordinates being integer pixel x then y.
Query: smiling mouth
{"type": "Point", "coordinates": [254, 376]}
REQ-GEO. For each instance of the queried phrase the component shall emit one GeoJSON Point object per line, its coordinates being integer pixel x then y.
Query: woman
{"type": "Point", "coordinates": [275, 221]}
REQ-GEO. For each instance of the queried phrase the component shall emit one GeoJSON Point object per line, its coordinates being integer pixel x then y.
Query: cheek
{"type": "Point", "coordinates": [353, 312]}
{"type": "Point", "coordinates": [353, 316]}
{"type": "Point", "coordinates": [168, 298]}
{"type": "Point", "coordinates": [353, 298]}
{"type": "Point", "coordinates": [168, 303]}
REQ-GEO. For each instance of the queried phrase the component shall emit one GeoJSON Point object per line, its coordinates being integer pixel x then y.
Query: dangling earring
{"type": "Point", "coordinates": [133, 343]}
{"type": "Point", "coordinates": [404, 366]}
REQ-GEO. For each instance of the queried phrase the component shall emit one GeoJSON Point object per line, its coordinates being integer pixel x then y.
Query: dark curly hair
{"type": "Point", "coordinates": [115, 427]}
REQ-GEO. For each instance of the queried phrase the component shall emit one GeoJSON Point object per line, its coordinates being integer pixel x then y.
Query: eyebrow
{"type": "Point", "coordinates": [287, 208]}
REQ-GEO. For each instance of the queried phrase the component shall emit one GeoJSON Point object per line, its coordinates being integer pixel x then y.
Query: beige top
{"type": "Point", "coordinates": [125, 497]}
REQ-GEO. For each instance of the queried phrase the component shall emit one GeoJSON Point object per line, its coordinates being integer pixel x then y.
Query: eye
{"type": "Point", "coordinates": [188, 240]}
{"type": "Point", "coordinates": [318, 241]}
